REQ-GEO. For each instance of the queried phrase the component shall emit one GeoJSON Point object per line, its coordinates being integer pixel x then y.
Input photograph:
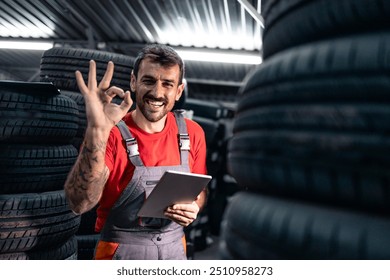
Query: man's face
{"type": "Point", "coordinates": [157, 88]}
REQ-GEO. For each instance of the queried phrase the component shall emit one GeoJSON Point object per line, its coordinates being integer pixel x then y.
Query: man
{"type": "Point", "coordinates": [121, 161]}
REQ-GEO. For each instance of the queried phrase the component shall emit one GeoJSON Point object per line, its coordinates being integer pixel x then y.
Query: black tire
{"type": "Point", "coordinates": [210, 128]}
{"type": "Point", "coordinates": [261, 227]}
{"type": "Point", "coordinates": [337, 169]}
{"type": "Point", "coordinates": [223, 251]}
{"type": "Point", "coordinates": [64, 251]}
{"type": "Point", "coordinates": [33, 117]}
{"type": "Point", "coordinates": [351, 70]}
{"type": "Point", "coordinates": [86, 246]}
{"type": "Point", "coordinates": [82, 121]}
{"type": "Point", "coordinates": [301, 131]}
{"type": "Point", "coordinates": [35, 221]}
{"type": "Point", "coordinates": [58, 66]}
{"type": "Point", "coordinates": [216, 206]}
{"type": "Point", "coordinates": [289, 23]}
{"type": "Point", "coordinates": [205, 109]}
{"type": "Point", "coordinates": [197, 234]}
{"type": "Point", "coordinates": [336, 117]}
{"type": "Point", "coordinates": [32, 168]}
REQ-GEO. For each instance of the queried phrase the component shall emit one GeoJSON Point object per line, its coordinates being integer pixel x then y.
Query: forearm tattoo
{"type": "Point", "coordinates": [88, 176]}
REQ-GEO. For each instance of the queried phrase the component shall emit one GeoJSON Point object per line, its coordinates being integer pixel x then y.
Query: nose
{"type": "Point", "coordinates": [158, 90]}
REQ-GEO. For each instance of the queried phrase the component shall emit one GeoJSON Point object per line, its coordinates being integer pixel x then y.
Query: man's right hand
{"type": "Point", "coordinates": [85, 183]}
{"type": "Point", "coordinates": [101, 113]}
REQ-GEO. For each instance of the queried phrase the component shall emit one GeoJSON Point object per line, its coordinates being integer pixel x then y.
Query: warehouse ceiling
{"type": "Point", "coordinates": [124, 26]}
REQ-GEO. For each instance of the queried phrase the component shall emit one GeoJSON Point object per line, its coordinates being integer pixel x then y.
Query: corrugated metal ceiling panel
{"type": "Point", "coordinates": [123, 26]}
{"type": "Point", "coordinates": [193, 23]}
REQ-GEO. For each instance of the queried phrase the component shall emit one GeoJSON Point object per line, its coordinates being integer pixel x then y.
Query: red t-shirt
{"type": "Point", "coordinates": [157, 149]}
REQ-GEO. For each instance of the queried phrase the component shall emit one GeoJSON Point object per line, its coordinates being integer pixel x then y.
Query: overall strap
{"type": "Point", "coordinates": [131, 144]}
{"type": "Point", "coordinates": [183, 137]}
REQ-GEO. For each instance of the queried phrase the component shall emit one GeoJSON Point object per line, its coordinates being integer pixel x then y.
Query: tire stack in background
{"type": "Point", "coordinates": [311, 136]}
{"type": "Point", "coordinates": [215, 118]}
{"type": "Point", "coordinates": [36, 127]}
{"type": "Point", "coordinates": [58, 66]}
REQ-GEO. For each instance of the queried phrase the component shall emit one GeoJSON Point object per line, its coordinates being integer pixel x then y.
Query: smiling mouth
{"type": "Point", "coordinates": [155, 103]}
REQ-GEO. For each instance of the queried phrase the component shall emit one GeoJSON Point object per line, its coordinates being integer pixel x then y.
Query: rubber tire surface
{"type": "Point", "coordinates": [86, 246]}
{"type": "Point", "coordinates": [58, 66]}
{"type": "Point", "coordinates": [312, 123]}
{"type": "Point", "coordinates": [36, 118]}
{"type": "Point", "coordinates": [289, 23]}
{"type": "Point", "coordinates": [350, 70]}
{"type": "Point", "coordinates": [34, 221]}
{"type": "Point", "coordinates": [260, 227]}
{"type": "Point", "coordinates": [64, 251]}
{"type": "Point", "coordinates": [205, 109]}
{"type": "Point", "coordinates": [32, 168]}
{"type": "Point", "coordinates": [340, 117]}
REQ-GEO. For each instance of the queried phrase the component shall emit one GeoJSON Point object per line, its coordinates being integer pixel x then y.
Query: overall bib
{"type": "Point", "coordinates": [145, 238]}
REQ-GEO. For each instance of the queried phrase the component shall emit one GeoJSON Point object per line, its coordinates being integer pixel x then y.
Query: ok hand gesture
{"type": "Point", "coordinates": [101, 113]}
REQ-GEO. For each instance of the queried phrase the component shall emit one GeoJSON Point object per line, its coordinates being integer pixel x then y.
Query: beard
{"type": "Point", "coordinates": [151, 113]}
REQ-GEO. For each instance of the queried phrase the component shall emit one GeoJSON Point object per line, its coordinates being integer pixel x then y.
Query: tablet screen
{"type": "Point", "coordinates": [174, 187]}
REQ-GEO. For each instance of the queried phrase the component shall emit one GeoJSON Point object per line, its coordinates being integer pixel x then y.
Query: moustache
{"type": "Point", "coordinates": [150, 97]}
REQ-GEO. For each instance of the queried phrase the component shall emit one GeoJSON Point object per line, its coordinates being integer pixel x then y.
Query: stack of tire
{"type": "Point", "coordinates": [58, 66]}
{"type": "Point", "coordinates": [311, 136]}
{"type": "Point", "coordinates": [215, 118]}
{"type": "Point", "coordinates": [36, 126]}
{"type": "Point", "coordinates": [208, 115]}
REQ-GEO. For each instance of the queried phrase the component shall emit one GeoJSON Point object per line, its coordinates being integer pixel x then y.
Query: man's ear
{"type": "Point", "coordinates": [180, 90]}
{"type": "Point", "coordinates": [132, 81]}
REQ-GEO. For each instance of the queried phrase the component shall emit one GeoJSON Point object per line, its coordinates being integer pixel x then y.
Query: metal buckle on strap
{"type": "Point", "coordinates": [132, 147]}
{"type": "Point", "coordinates": [184, 142]}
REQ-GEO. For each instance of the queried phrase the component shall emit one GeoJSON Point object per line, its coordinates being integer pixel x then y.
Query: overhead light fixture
{"type": "Point", "coordinates": [222, 57]}
{"type": "Point", "coordinates": [25, 45]}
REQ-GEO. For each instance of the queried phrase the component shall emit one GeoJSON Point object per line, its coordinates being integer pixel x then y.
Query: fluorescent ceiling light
{"type": "Point", "coordinates": [223, 57]}
{"type": "Point", "coordinates": [25, 45]}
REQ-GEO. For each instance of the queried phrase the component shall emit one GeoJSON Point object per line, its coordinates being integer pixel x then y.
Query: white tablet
{"type": "Point", "coordinates": [174, 187]}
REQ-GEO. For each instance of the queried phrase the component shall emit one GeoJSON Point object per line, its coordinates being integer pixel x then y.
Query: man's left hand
{"type": "Point", "coordinates": [183, 214]}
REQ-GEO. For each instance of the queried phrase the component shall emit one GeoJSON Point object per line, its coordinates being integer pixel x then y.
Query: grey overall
{"type": "Point", "coordinates": [145, 238]}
